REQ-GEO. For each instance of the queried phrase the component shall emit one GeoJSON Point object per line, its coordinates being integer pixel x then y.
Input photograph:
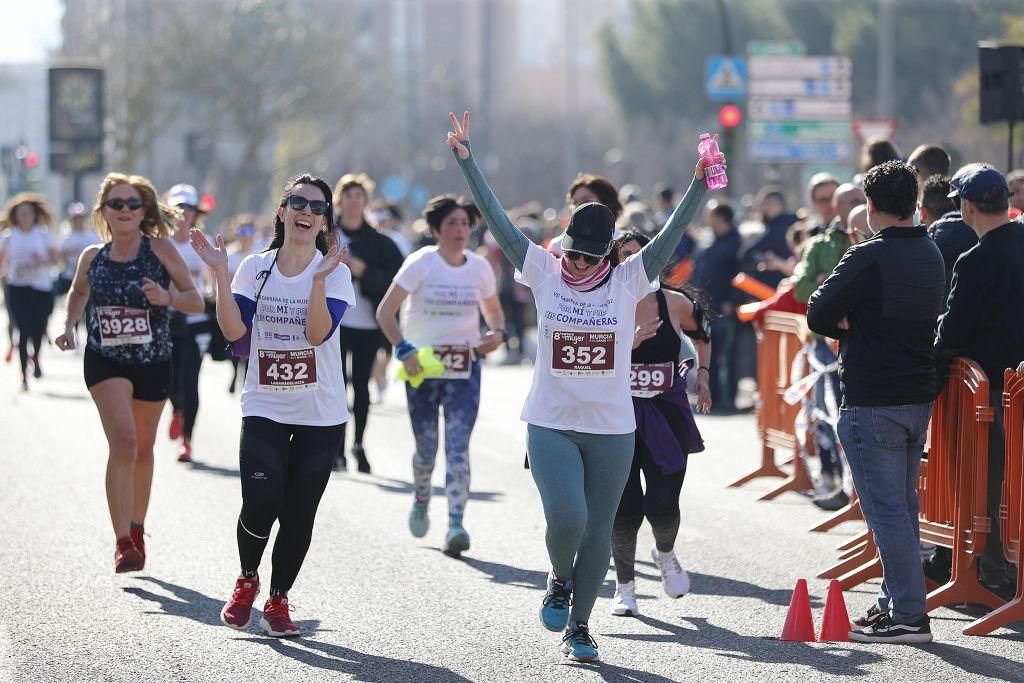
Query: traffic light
{"type": "Point", "coordinates": [31, 160]}
{"type": "Point", "coordinates": [730, 116]}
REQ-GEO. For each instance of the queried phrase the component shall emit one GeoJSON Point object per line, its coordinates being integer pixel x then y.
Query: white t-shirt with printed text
{"type": "Point", "coordinates": [27, 253]}
{"type": "Point", "coordinates": [444, 300]}
{"type": "Point", "coordinates": [279, 325]}
{"type": "Point", "coordinates": [584, 344]}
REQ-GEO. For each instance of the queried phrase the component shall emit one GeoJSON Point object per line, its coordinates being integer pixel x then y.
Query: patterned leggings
{"type": "Point", "coordinates": [460, 399]}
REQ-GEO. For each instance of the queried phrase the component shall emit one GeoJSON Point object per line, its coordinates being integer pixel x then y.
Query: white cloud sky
{"type": "Point", "coordinates": [31, 27]}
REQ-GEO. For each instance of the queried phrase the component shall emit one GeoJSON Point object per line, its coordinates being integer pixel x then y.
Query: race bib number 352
{"type": "Point", "coordinates": [121, 325]}
{"type": "Point", "coordinates": [287, 370]}
{"type": "Point", "coordinates": [583, 354]}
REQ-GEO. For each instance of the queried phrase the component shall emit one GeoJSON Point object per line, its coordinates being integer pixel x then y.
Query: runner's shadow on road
{"type": "Point", "coordinates": [65, 397]}
{"type": "Point", "coordinates": [185, 602]}
{"type": "Point", "coordinates": [213, 469]}
{"type": "Point", "coordinates": [403, 487]}
{"type": "Point", "coordinates": [834, 659]}
{"type": "Point", "coordinates": [990, 666]}
{"type": "Point", "coordinates": [362, 666]}
{"type": "Point", "coordinates": [508, 575]}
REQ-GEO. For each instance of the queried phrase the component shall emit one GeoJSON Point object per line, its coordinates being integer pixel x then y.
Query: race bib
{"type": "Point", "coordinates": [287, 370]}
{"type": "Point", "coordinates": [25, 272]}
{"type": "Point", "coordinates": [121, 325]}
{"type": "Point", "coordinates": [457, 360]}
{"type": "Point", "coordinates": [647, 380]}
{"type": "Point", "coordinates": [583, 354]}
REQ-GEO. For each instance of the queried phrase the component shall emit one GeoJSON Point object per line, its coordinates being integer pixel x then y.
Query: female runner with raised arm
{"type": "Point", "coordinates": [579, 411]}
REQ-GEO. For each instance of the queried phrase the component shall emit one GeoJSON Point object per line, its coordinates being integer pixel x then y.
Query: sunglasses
{"type": "Point", "coordinates": [317, 206]}
{"type": "Point", "coordinates": [187, 207]}
{"type": "Point", "coordinates": [587, 258]}
{"type": "Point", "coordinates": [117, 204]}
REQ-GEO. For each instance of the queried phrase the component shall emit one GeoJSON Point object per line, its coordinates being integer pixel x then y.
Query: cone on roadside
{"type": "Point", "coordinates": [799, 622]}
{"type": "Point", "coordinates": [835, 625]}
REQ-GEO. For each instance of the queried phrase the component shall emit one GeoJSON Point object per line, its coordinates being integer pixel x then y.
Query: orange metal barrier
{"type": "Point", "coordinates": [1011, 511]}
{"type": "Point", "coordinates": [782, 337]}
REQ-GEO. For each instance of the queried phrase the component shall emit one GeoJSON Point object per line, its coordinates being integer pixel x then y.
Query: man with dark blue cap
{"type": "Point", "coordinates": [984, 321]}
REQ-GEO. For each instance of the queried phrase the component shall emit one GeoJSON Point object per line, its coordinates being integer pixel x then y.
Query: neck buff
{"type": "Point", "coordinates": [588, 282]}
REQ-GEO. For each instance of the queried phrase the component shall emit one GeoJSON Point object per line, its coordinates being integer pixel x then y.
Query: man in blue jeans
{"type": "Point", "coordinates": [881, 302]}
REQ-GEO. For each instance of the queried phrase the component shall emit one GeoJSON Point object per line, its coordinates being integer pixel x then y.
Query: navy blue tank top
{"type": "Point", "coordinates": [115, 286]}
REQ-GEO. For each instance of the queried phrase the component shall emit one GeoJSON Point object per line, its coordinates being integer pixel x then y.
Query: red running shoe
{"type": "Point", "coordinates": [177, 425]}
{"type": "Point", "coordinates": [185, 451]}
{"type": "Point", "coordinates": [127, 557]}
{"type": "Point", "coordinates": [9, 354]}
{"type": "Point", "coordinates": [237, 613]}
{"type": "Point", "coordinates": [139, 539]}
{"type": "Point", "coordinates": [275, 621]}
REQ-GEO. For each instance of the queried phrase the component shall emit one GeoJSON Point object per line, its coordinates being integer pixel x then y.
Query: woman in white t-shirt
{"type": "Point", "coordinates": [28, 253]}
{"type": "Point", "coordinates": [445, 288]}
{"type": "Point", "coordinates": [282, 311]}
{"type": "Point", "coordinates": [579, 411]}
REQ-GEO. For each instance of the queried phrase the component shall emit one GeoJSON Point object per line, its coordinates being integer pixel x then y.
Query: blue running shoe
{"type": "Point", "coordinates": [554, 611]}
{"type": "Point", "coordinates": [419, 522]}
{"type": "Point", "coordinates": [456, 542]}
{"type": "Point", "coordinates": [578, 645]}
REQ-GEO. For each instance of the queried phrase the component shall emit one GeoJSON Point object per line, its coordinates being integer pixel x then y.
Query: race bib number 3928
{"type": "Point", "coordinates": [287, 370]}
{"type": "Point", "coordinates": [583, 354]}
{"type": "Point", "coordinates": [121, 325]}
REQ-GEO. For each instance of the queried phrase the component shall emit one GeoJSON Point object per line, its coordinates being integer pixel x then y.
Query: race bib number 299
{"type": "Point", "coordinates": [583, 354]}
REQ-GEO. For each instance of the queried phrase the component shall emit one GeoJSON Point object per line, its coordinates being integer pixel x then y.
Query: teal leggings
{"type": "Point", "coordinates": [580, 478]}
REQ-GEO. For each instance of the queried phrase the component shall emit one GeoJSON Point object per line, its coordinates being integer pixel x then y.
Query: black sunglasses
{"type": "Point", "coordinates": [117, 204]}
{"type": "Point", "coordinates": [587, 258]}
{"type": "Point", "coordinates": [317, 206]}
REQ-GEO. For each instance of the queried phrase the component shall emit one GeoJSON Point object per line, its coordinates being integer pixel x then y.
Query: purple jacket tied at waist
{"type": "Point", "coordinates": [666, 426]}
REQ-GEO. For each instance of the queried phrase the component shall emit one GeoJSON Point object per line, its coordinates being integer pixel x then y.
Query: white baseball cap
{"type": "Point", "coordinates": [183, 193]}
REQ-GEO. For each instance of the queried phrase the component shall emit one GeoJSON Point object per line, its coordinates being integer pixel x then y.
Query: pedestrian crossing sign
{"type": "Point", "coordinates": [725, 78]}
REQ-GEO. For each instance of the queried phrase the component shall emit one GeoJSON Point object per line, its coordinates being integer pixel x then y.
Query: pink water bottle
{"type": "Point", "coordinates": [714, 171]}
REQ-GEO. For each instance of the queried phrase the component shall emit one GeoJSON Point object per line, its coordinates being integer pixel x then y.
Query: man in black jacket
{"type": "Point", "coordinates": [881, 302]}
{"type": "Point", "coordinates": [374, 262]}
{"type": "Point", "coordinates": [984, 321]}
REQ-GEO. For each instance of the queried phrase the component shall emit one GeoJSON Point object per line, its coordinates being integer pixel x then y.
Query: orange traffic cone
{"type": "Point", "coordinates": [835, 625]}
{"type": "Point", "coordinates": [799, 622]}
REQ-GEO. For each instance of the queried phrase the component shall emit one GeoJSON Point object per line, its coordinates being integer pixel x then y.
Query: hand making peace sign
{"type": "Point", "coordinates": [460, 135]}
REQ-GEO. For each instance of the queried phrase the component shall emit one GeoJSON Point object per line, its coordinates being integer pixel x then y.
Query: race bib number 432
{"type": "Point", "coordinates": [121, 325]}
{"type": "Point", "coordinates": [287, 370]}
{"type": "Point", "coordinates": [583, 354]}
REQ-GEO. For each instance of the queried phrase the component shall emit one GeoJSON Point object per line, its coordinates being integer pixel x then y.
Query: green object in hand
{"type": "Point", "coordinates": [429, 364]}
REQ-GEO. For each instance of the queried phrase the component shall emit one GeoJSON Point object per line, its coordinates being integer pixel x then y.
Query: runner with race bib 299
{"type": "Point", "coordinates": [579, 411]}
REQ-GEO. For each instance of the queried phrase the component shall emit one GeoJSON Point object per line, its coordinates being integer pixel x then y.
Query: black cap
{"type": "Point", "coordinates": [590, 230]}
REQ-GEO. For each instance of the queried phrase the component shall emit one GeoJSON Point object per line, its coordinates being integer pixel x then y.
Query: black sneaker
{"type": "Point", "coordinates": [359, 453]}
{"type": "Point", "coordinates": [832, 501]}
{"type": "Point", "coordinates": [873, 615]}
{"type": "Point", "coordinates": [885, 630]}
{"type": "Point", "coordinates": [340, 464]}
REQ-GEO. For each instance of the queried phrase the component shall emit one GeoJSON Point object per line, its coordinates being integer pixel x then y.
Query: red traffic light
{"type": "Point", "coordinates": [206, 203]}
{"type": "Point", "coordinates": [31, 160]}
{"type": "Point", "coordinates": [730, 116]}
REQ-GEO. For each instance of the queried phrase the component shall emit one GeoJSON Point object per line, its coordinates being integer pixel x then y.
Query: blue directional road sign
{"type": "Point", "coordinates": [725, 78]}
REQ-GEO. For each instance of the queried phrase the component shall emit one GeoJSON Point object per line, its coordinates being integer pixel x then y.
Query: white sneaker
{"type": "Point", "coordinates": [674, 580]}
{"type": "Point", "coordinates": [625, 600]}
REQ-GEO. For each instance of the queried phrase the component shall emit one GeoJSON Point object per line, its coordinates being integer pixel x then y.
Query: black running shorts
{"type": "Point", "coordinates": [151, 382]}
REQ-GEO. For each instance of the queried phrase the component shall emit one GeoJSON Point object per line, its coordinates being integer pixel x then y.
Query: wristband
{"type": "Point", "coordinates": [404, 350]}
{"type": "Point", "coordinates": [504, 333]}
{"type": "Point", "coordinates": [705, 368]}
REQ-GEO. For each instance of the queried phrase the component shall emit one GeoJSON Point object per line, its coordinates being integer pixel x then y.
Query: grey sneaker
{"type": "Point", "coordinates": [456, 542]}
{"type": "Point", "coordinates": [419, 522]}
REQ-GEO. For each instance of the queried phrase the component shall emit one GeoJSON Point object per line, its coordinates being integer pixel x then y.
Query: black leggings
{"type": "Point", "coordinates": [660, 504]}
{"type": "Point", "coordinates": [187, 359]}
{"type": "Point", "coordinates": [29, 309]}
{"type": "Point", "coordinates": [358, 352]}
{"type": "Point", "coordinates": [284, 471]}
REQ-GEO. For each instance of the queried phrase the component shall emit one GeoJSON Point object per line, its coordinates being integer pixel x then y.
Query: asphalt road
{"type": "Point", "coordinates": [379, 605]}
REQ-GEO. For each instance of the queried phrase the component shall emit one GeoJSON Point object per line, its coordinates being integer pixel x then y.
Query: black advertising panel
{"type": "Point", "coordinates": [1001, 91]}
{"type": "Point", "coordinates": [76, 105]}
